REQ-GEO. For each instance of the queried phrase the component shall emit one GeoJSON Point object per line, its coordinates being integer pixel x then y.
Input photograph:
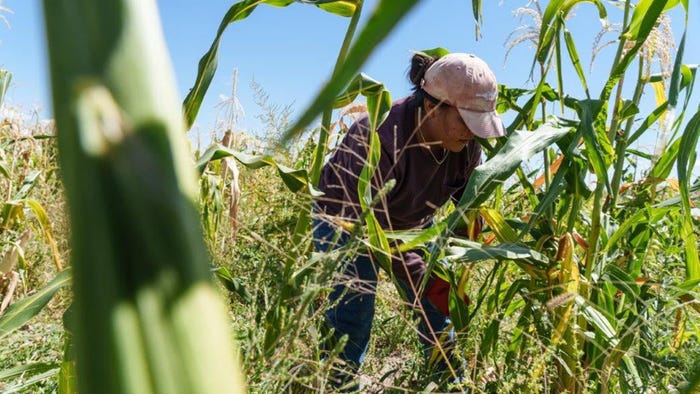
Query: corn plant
{"type": "Point", "coordinates": [146, 316]}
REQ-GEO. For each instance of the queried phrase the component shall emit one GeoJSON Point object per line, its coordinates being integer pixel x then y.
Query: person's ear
{"type": "Point", "coordinates": [429, 107]}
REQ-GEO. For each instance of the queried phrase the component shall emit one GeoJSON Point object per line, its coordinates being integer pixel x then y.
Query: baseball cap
{"type": "Point", "coordinates": [466, 82]}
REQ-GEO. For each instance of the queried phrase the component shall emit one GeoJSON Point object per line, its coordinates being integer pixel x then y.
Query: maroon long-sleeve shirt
{"type": "Point", "coordinates": [423, 184]}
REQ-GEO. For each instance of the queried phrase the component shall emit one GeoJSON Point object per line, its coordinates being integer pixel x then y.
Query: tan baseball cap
{"type": "Point", "coordinates": [466, 82]}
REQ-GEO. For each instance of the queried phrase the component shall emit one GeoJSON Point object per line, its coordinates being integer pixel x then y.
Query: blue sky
{"type": "Point", "coordinates": [290, 51]}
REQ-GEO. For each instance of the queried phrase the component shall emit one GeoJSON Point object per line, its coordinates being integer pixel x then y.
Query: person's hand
{"type": "Point", "coordinates": [439, 295]}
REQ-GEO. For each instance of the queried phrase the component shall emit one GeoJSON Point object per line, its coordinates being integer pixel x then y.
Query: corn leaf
{"type": "Point", "coordinates": [386, 16]}
{"type": "Point", "coordinates": [593, 316]}
{"type": "Point", "coordinates": [657, 113]}
{"type": "Point", "coordinates": [685, 164]}
{"type": "Point", "coordinates": [343, 8]}
{"type": "Point", "coordinates": [45, 225]}
{"type": "Point", "coordinates": [645, 15]}
{"type": "Point", "coordinates": [361, 84]}
{"type": "Point", "coordinates": [21, 387]}
{"type": "Point", "coordinates": [643, 217]}
{"type": "Point", "coordinates": [473, 252]}
{"type": "Point", "coordinates": [294, 179]}
{"type": "Point", "coordinates": [520, 146]}
{"type": "Point", "coordinates": [23, 310]}
{"type": "Point", "coordinates": [5, 79]}
{"type": "Point", "coordinates": [663, 166]}
{"type": "Point", "coordinates": [644, 19]}
{"type": "Point", "coordinates": [239, 11]}
{"type": "Point", "coordinates": [29, 369]}
{"type": "Point", "coordinates": [378, 106]}
{"type": "Point", "coordinates": [598, 147]}
{"type": "Point", "coordinates": [575, 60]}
{"type": "Point", "coordinates": [435, 53]}
{"type": "Point", "coordinates": [552, 22]}
{"type": "Point", "coordinates": [504, 232]}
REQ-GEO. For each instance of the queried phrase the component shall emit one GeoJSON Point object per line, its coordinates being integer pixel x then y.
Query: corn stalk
{"type": "Point", "coordinates": [147, 317]}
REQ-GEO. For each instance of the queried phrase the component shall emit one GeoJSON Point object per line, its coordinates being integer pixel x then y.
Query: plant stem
{"type": "Point", "coordinates": [302, 225]}
{"type": "Point", "coordinates": [621, 140]}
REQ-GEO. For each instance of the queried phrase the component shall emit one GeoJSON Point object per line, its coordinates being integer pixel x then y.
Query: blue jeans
{"type": "Point", "coordinates": [353, 299]}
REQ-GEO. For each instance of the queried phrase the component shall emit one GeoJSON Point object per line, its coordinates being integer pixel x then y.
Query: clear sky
{"type": "Point", "coordinates": [290, 51]}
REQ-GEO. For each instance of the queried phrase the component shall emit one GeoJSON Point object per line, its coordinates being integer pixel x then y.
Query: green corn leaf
{"type": "Point", "coordinates": [648, 122]}
{"type": "Point", "coordinates": [412, 239]}
{"type": "Point", "coordinates": [643, 217]}
{"type": "Point", "coordinates": [552, 21]}
{"type": "Point", "coordinates": [593, 316]}
{"type": "Point", "coordinates": [343, 8]}
{"type": "Point", "coordinates": [520, 146]}
{"type": "Point", "coordinates": [27, 184]}
{"type": "Point", "coordinates": [435, 53]}
{"type": "Point", "coordinates": [476, 11]}
{"type": "Point", "coordinates": [378, 106]}
{"type": "Point", "coordinates": [622, 280]}
{"type": "Point", "coordinates": [294, 179]}
{"type": "Point", "coordinates": [575, 60]}
{"type": "Point", "coordinates": [22, 387]}
{"type": "Point", "coordinates": [598, 147]}
{"type": "Point", "coordinates": [361, 84]}
{"type": "Point", "coordinates": [676, 76]}
{"type": "Point", "coordinates": [28, 369]}
{"type": "Point", "coordinates": [5, 79]}
{"type": "Point", "coordinates": [644, 19]}
{"type": "Point", "coordinates": [463, 250]}
{"type": "Point", "coordinates": [686, 162]}
{"type": "Point", "coordinates": [23, 310]}
{"type": "Point", "coordinates": [239, 11]}
{"type": "Point", "coordinates": [386, 16]}
{"type": "Point", "coordinates": [663, 166]}
{"type": "Point", "coordinates": [232, 284]}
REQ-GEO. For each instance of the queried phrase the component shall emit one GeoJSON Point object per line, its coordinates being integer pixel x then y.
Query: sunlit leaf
{"type": "Point", "coordinates": [23, 310]}
{"type": "Point", "coordinates": [435, 53]}
{"type": "Point", "coordinates": [238, 11]}
{"type": "Point", "coordinates": [5, 79]}
{"type": "Point", "coordinates": [386, 16]}
{"type": "Point", "coordinates": [685, 164]}
{"type": "Point", "coordinates": [294, 179]}
{"type": "Point", "coordinates": [554, 14]}
{"type": "Point", "coordinates": [644, 19]}
{"type": "Point", "coordinates": [469, 251]}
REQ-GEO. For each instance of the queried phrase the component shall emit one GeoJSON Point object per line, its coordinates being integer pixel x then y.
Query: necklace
{"type": "Point", "coordinates": [445, 152]}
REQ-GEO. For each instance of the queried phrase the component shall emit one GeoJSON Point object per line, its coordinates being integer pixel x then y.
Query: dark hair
{"type": "Point", "coordinates": [420, 63]}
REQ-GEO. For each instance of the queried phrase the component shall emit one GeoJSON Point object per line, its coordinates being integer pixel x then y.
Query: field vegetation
{"type": "Point", "coordinates": [584, 280]}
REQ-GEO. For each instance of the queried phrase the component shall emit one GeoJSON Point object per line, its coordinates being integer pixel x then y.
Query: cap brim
{"type": "Point", "coordinates": [483, 124]}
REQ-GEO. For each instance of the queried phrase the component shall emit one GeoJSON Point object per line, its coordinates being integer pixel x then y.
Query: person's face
{"type": "Point", "coordinates": [447, 127]}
